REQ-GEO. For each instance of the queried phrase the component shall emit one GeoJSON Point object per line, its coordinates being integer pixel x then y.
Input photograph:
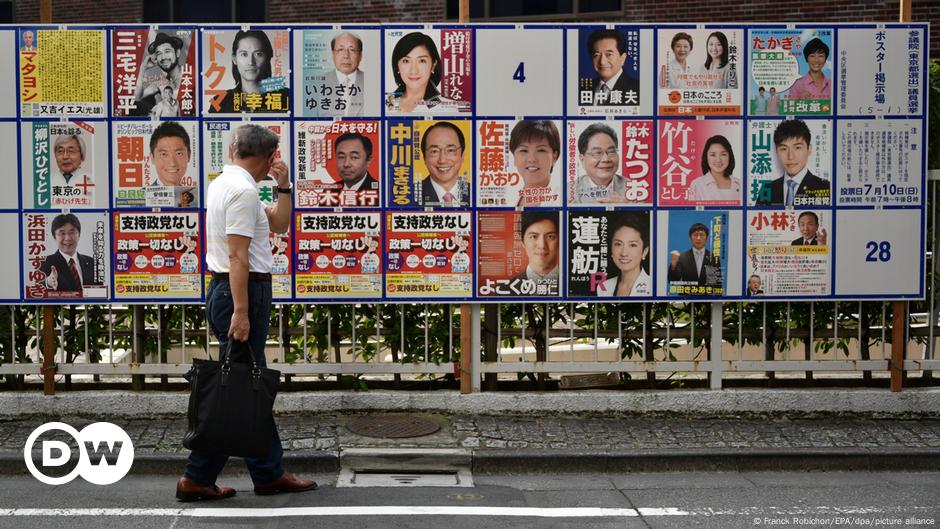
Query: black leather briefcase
{"type": "Point", "coordinates": [230, 407]}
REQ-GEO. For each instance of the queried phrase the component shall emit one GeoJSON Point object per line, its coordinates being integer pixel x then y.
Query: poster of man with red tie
{"type": "Point", "coordinates": [66, 255]}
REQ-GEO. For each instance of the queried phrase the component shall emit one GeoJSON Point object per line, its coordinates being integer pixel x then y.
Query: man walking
{"type": "Point", "coordinates": [238, 303]}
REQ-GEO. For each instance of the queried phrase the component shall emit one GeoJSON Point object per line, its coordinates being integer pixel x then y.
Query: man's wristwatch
{"type": "Point", "coordinates": [286, 190]}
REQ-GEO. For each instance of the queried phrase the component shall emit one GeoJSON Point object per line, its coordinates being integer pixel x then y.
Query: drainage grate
{"type": "Point", "coordinates": [392, 426]}
{"type": "Point", "coordinates": [369, 478]}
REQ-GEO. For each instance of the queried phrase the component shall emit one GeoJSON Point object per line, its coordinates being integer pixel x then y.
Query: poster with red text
{"type": "Point", "coordinates": [610, 162]}
{"type": "Point", "coordinates": [428, 255]}
{"type": "Point", "coordinates": [157, 255]}
{"type": "Point", "coordinates": [66, 256]}
{"type": "Point", "coordinates": [338, 255]}
{"type": "Point", "coordinates": [155, 164]}
{"type": "Point", "coordinates": [153, 72]}
{"type": "Point", "coordinates": [519, 163]}
{"type": "Point", "coordinates": [701, 162]}
{"type": "Point", "coordinates": [246, 71]}
{"type": "Point", "coordinates": [519, 254]}
{"type": "Point", "coordinates": [337, 164]}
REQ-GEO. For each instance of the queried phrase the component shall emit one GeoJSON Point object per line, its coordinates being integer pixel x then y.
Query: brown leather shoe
{"type": "Point", "coordinates": [286, 483]}
{"type": "Point", "coordinates": [189, 490]}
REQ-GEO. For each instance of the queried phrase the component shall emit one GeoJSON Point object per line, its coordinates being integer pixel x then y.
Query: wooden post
{"type": "Point", "coordinates": [48, 350]}
{"type": "Point", "coordinates": [48, 311]}
{"type": "Point", "coordinates": [466, 350]}
{"type": "Point", "coordinates": [898, 308]}
{"type": "Point", "coordinates": [466, 347]}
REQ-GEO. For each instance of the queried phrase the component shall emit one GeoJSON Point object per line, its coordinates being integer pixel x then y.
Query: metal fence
{"type": "Point", "coordinates": [649, 341]}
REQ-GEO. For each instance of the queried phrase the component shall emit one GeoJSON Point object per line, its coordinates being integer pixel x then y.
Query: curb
{"type": "Point", "coordinates": [487, 461]}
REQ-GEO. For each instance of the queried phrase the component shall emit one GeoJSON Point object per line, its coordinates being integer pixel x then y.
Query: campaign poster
{"type": "Point", "coordinates": [218, 137]}
{"type": "Point", "coordinates": [789, 252]}
{"type": "Point", "coordinates": [609, 254]}
{"type": "Point", "coordinates": [155, 165]}
{"type": "Point", "coordinates": [519, 254]}
{"type": "Point", "coordinates": [696, 256]}
{"type": "Point", "coordinates": [519, 163]}
{"type": "Point", "coordinates": [246, 71]}
{"type": "Point", "coordinates": [338, 255]}
{"type": "Point", "coordinates": [880, 162]}
{"type": "Point", "coordinates": [429, 163]}
{"type": "Point", "coordinates": [340, 73]}
{"type": "Point", "coordinates": [64, 164]}
{"type": "Point", "coordinates": [428, 71]}
{"type": "Point", "coordinates": [337, 164]}
{"type": "Point", "coordinates": [700, 72]}
{"type": "Point", "coordinates": [429, 254]}
{"type": "Point", "coordinates": [153, 72]}
{"type": "Point", "coordinates": [882, 71]}
{"type": "Point", "coordinates": [790, 162]}
{"type": "Point", "coordinates": [67, 256]}
{"type": "Point", "coordinates": [524, 73]}
{"type": "Point", "coordinates": [157, 255]}
{"type": "Point", "coordinates": [609, 66]}
{"type": "Point", "coordinates": [610, 162]}
{"type": "Point", "coordinates": [791, 72]}
{"type": "Point", "coordinates": [62, 73]}
{"type": "Point", "coordinates": [701, 162]}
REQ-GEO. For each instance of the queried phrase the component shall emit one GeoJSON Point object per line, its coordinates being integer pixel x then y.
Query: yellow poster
{"type": "Point", "coordinates": [63, 73]}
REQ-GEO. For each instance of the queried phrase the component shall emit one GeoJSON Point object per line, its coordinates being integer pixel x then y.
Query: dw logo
{"type": "Point", "coordinates": [105, 453]}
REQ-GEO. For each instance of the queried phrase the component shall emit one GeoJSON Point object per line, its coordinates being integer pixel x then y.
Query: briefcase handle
{"type": "Point", "coordinates": [227, 363]}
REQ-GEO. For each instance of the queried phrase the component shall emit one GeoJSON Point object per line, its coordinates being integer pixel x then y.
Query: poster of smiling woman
{"type": "Point", "coordinates": [791, 72]}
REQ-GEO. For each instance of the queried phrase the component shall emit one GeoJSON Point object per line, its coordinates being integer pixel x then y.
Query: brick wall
{"type": "Point", "coordinates": [376, 11]}
{"type": "Point", "coordinates": [82, 11]}
{"type": "Point", "coordinates": [356, 11]}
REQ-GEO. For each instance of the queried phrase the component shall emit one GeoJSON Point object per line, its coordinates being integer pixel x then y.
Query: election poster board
{"type": "Point", "coordinates": [155, 164]}
{"type": "Point", "coordinates": [428, 71]}
{"type": "Point", "coordinates": [699, 72]}
{"type": "Point", "coordinates": [584, 131]}
{"type": "Point", "coordinates": [519, 163]}
{"type": "Point", "coordinates": [791, 72]}
{"type": "Point", "coordinates": [63, 73]}
{"type": "Point", "coordinates": [429, 253]}
{"type": "Point", "coordinates": [610, 163]}
{"type": "Point", "coordinates": [64, 164]}
{"type": "Point", "coordinates": [429, 163]}
{"type": "Point", "coordinates": [698, 162]}
{"type": "Point", "coordinates": [338, 255]}
{"type": "Point", "coordinates": [519, 254]}
{"type": "Point", "coordinates": [153, 73]}
{"type": "Point", "coordinates": [337, 164]}
{"type": "Point", "coordinates": [246, 71]}
{"type": "Point", "coordinates": [339, 72]}
{"type": "Point", "coordinates": [157, 255]}
{"type": "Point", "coordinates": [67, 256]}
{"type": "Point", "coordinates": [609, 254]}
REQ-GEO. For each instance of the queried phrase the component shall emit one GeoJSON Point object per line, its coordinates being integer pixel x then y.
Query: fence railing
{"type": "Point", "coordinates": [657, 342]}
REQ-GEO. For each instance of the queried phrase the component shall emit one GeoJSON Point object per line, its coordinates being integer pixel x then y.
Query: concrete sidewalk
{"type": "Point", "coordinates": [559, 432]}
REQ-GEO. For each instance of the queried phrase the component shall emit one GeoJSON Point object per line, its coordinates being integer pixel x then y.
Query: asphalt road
{"type": "Point", "coordinates": [668, 500]}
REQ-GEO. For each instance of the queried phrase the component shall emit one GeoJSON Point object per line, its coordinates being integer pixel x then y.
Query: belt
{"type": "Point", "coordinates": [252, 276]}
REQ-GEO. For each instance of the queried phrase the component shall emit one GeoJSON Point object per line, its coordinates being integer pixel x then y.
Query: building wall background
{"type": "Point", "coordinates": [377, 11]}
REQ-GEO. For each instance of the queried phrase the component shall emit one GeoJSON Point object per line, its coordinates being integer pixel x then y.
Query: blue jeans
{"type": "Point", "coordinates": [205, 468]}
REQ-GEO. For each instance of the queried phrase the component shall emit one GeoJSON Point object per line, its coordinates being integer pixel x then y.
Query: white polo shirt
{"type": "Point", "coordinates": [233, 207]}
